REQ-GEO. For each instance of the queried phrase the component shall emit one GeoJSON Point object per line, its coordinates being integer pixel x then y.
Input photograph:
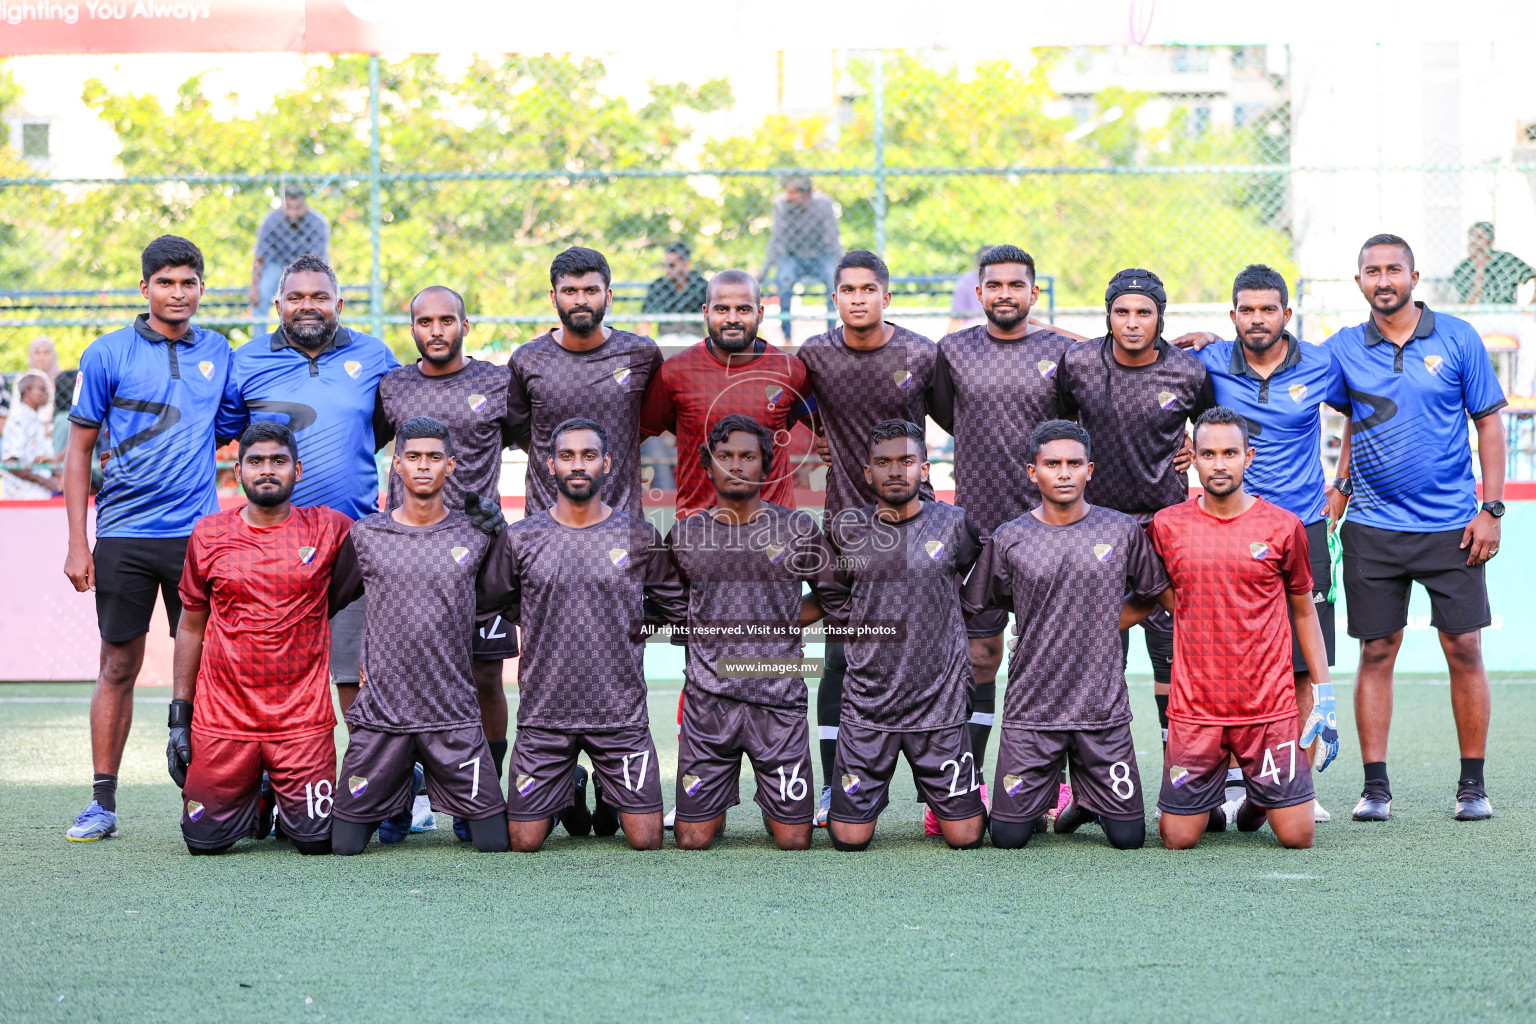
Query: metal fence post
{"type": "Point", "coordinates": [879, 102]}
{"type": "Point", "coordinates": [375, 214]}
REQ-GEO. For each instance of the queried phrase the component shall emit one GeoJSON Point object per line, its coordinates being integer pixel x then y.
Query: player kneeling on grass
{"type": "Point", "coordinates": [252, 691]}
{"type": "Point", "coordinates": [1237, 562]}
{"type": "Point", "coordinates": [891, 574]}
{"type": "Point", "coordinates": [421, 565]}
{"type": "Point", "coordinates": [582, 574]}
{"type": "Point", "coordinates": [1065, 569]}
{"type": "Point", "coordinates": [744, 561]}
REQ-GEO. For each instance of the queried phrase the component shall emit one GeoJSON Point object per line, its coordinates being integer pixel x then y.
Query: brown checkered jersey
{"type": "Point", "coordinates": [551, 384]}
{"type": "Point", "coordinates": [473, 402]}
{"type": "Point", "coordinates": [909, 669]}
{"type": "Point", "coordinates": [1136, 416]}
{"type": "Point", "coordinates": [990, 394]}
{"type": "Point", "coordinates": [854, 391]}
{"type": "Point", "coordinates": [745, 575]}
{"type": "Point", "coordinates": [1065, 584]}
{"type": "Point", "coordinates": [582, 595]}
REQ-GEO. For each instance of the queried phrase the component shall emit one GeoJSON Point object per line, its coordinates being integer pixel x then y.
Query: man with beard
{"type": "Point", "coordinates": [992, 385]}
{"type": "Point", "coordinates": [251, 691]}
{"type": "Point", "coordinates": [581, 573]}
{"type": "Point", "coordinates": [1411, 377]}
{"type": "Point", "coordinates": [471, 397]}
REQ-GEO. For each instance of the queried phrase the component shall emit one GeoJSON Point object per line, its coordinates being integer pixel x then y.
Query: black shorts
{"type": "Point", "coordinates": [624, 761]}
{"type": "Point", "coordinates": [495, 640]}
{"type": "Point", "coordinates": [1381, 566]}
{"type": "Point", "coordinates": [1105, 778]}
{"type": "Point", "coordinates": [716, 732]}
{"type": "Point", "coordinates": [376, 772]}
{"type": "Point", "coordinates": [1322, 582]}
{"type": "Point", "coordinates": [128, 572]}
{"type": "Point", "coordinates": [988, 622]}
{"type": "Point", "coordinates": [943, 769]}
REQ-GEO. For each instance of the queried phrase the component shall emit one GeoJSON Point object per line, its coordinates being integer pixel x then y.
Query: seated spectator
{"type": "Point", "coordinates": [964, 304]}
{"type": "Point", "coordinates": [27, 441]}
{"type": "Point", "coordinates": [680, 289]}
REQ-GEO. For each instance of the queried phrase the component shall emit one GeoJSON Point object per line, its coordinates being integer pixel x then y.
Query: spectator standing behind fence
{"type": "Point", "coordinates": [804, 246]}
{"type": "Point", "coordinates": [27, 440]}
{"type": "Point", "coordinates": [680, 289]}
{"type": "Point", "coordinates": [1490, 277]}
{"type": "Point", "coordinates": [965, 303]}
{"type": "Point", "coordinates": [284, 236]}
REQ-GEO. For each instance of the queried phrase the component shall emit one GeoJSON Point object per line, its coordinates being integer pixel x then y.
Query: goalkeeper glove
{"type": "Point", "coordinates": [178, 752]}
{"type": "Point", "coordinates": [484, 516]}
{"type": "Point", "coordinates": [1323, 724]}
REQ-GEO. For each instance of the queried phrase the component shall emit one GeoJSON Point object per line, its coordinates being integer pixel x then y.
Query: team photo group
{"type": "Point", "coordinates": [1072, 515]}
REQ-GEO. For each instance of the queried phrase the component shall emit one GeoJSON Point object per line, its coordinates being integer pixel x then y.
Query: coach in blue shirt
{"type": "Point", "coordinates": [322, 380]}
{"type": "Point", "coordinates": [1410, 378]}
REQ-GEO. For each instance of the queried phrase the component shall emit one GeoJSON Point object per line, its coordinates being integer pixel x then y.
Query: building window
{"type": "Point", "coordinates": [1191, 60]}
{"type": "Point", "coordinates": [1199, 121]}
{"type": "Point", "coordinates": [1250, 57]}
{"type": "Point", "coordinates": [34, 140]}
{"type": "Point", "coordinates": [1246, 115]}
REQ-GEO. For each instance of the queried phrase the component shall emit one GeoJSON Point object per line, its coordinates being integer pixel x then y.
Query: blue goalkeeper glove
{"type": "Point", "coordinates": [1323, 724]}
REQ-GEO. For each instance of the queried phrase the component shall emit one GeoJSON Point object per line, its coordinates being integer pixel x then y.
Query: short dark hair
{"type": "Point", "coordinates": [578, 261]}
{"type": "Point", "coordinates": [890, 430]}
{"type": "Point", "coordinates": [1058, 430]}
{"type": "Point", "coordinates": [1004, 254]}
{"type": "Point", "coordinates": [268, 430]}
{"type": "Point", "coordinates": [1385, 239]}
{"type": "Point", "coordinates": [1220, 415]}
{"type": "Point", "coordinates": [309, 263]}
{"type": "Point", "coordinates": [732, 277]}
{"type": "Point", "coordinates": [863, 259]}
{"type": "Point", "coordinates": [170, 251]}
{"type": "Point", "coordinates": [1256, 277]}
{"type": "Point", "coordinates": [578, 423]}
{"type": "Point", "coordinates": [680, 249]}
{"type": "Point", "coordinates": [745, 424]}
{"type": "Point", "coordinates": [439, 288]}
{"type": "Point", "coordinates": [423, 426]}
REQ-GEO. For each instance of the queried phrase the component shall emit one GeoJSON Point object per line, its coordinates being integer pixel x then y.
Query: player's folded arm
{"type": "Point", "coordinates": [666, 595]}
{"type": "Point", "coordinates": [498, 584]}
{"type": "Point", "coordinates": [346, 578]}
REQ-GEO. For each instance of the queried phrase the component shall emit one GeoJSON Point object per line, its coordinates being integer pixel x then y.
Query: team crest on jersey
{"type": "Point", "coordinates": [306, 555]}
{"type": "Point", "coordinates": [935, 548]}
{"type": "Point", "coordinates": [357, 785]}
{"type": "Point", "coordinates": [1433, 364]}
{"type": "Point", "coordinates": [206, 368]}
{"type": "Point", "coordinates": [1012, 784]}
{"type": "Point", "coordinates": [194, 810]}
{"type": "Point", "coordinates": [775, 553]}
{"type": "Point", "coordinates": [903, 379]}
{"type": "Point", "coordinates": [1047, 368]}
{"type": "Point", "coordinates": [691, 784]}
{"type": "Point", "coordinates": [524, 785]}
{"type": "Point", "coordinates": [1258, 549]}
{"type": "Point", "coordinates": [353, 368]}
{"type": "Point", "coordinates": [476, 403]}
{"type": "Point", "coordinates": [1298, 392]}
{"type": "Point", "coordinates": [1102, 551]}
{"type": "Point", "coordinates": [1178, 776]}
{"type": "Point", "coordinates": [619, 557]}
{"type": "Point", "coordinates": [774, 393]}
{"type": "Point", "coordinates": [850, 783]}
{"type": "Point", "coordinates": [1165, 399]}
{"type": "Point", "coordinates": [621, 375]}
{"type": "Point", "coordinates": [459, 553]}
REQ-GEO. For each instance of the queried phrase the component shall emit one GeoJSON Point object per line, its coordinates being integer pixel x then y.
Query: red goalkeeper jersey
{"type": "Point", "coordinates": [1231, 627]}
{"type": "Point", "coordinates": [265, 671]}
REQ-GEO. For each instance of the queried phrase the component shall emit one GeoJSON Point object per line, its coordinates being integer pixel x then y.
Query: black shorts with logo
{"type": "Point", "coordinates": [1381, 566]}
{"type": "Point", "coordinates": [129, 570]}
{"type": "Point", "coordinates": [1322, 582]}
{"type": "Point", "coordinates": [494, 640]}
{"type": "Point", "coordinates": [716, 732]}
{"type": "Point", "coordinates": [1105, 778]}
{"type": "Point", "coordinates": [376, 772]}
{"type": "Point", "coordinates": [543, 761]}
{"type": "Point", "coordinates": [943, 768]}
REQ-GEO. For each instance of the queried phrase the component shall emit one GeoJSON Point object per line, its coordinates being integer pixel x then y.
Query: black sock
{"type": "Point", "coordinates": [104, 791]}
{"type": "Point", "coordinates": [1472, 770]}
{"type": "Point", "coordinates": [1125, 835]}
{"type": "Point", "coordinates": [498, 754]}
{"type": "Point", "coordinates": [1010, 835]}
{"type": "Point", "coordinates": [1376, 771]}
{"type": "Point", "coordinates": [198, 851]}
{"type": "Point", "coordinates": [984, 705]}
{"type": "Point", "coordinates": [828, 752]}
{"type": "Point", "coordinates": [348, 839]}
{"type": "Point", "coordinates": [829, 707]}
{"type": "Point", "coordinates": [490, 834]}
{"type": "Point", "coordinates": [1162, 714]}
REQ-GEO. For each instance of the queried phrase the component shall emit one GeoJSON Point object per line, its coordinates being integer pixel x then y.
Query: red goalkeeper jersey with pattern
{"type": "Point", "coordinates": [1231, 628]}
{"type": "Point", "coordinates": [265, 672]}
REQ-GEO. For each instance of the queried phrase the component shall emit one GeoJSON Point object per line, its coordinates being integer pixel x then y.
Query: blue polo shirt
{"type": "Point", "coordinates": [1285, 423]}
{"type": "Point", "coordinates": [1410, 458]}
{"type": "Point", "coordinates": [329, 403]}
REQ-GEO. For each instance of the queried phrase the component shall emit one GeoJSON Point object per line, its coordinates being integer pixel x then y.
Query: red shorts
{"type": "Point", "coordinates": [223, 791]}
{"type": "Point", "coordinates": [1275, 770]}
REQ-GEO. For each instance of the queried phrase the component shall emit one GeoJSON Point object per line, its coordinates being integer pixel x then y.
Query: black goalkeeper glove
{"type": "Point", "coordinates": [484, 516]}
{"type": "Point", "coordinates": [178, 752]}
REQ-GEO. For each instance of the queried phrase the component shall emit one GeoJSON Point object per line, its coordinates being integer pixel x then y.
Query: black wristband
{"type": "Point", "coordinates": [181, 715]}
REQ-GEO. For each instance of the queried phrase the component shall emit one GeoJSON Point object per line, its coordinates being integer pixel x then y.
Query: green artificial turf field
{"type": "Point", "coordinates": [1421, 918]}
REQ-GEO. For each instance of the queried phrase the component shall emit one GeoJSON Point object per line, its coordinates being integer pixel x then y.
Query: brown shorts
{"type": "Point", "coordinates": [943, 769]}
{"type": "Point", "coordinates": [543, 760]}
{"type": "Point", "coordinates": [1105, 779]}
{"type": "Point", "coordinates": [716, 732]}
{"type": "Point", "coordinates": [1275, 772]}
{"type": "Point", "coordinates": [376, 770]}
{"type": "Point", "coordinates": [220, 802]}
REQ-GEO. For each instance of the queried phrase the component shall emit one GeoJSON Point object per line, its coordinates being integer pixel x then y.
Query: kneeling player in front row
{"type": "Point", "coordinates": [1236, 563]}
{"type": "Point", "coordinates": [1065, 569]}
{"type": "Point", "coordinates": [252, 693]}
{"type": "Point", "coordinates": [420, 565]}
{"type": "Point", "coordinates": [744, 561]}
{"type": "Point", "coordinates": [891, 573]}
